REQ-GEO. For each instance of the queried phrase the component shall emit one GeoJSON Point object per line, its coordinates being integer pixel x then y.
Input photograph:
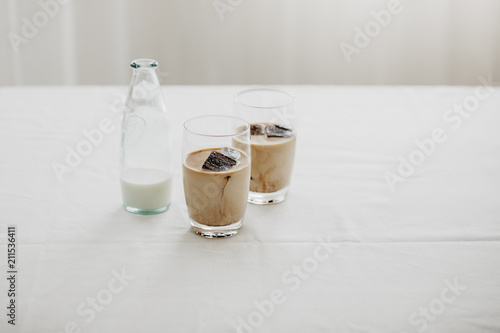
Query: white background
{"type": "Point", "coordinates": [257, 42]}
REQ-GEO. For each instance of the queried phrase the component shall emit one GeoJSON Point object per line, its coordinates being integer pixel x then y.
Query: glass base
{"type": "Point", "coordinates": [140, 211]}
{"type": "Point", "coordinates": [209, 231]}
{"type": "Point", "coordinates": [258, 198]}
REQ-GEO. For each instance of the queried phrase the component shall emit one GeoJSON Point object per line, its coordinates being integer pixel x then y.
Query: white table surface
{"type": "Point", "coordinates": [344, 253]}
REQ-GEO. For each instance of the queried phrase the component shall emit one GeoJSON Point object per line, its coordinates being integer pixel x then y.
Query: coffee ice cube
{"type": "Point", "coordinates": [218, 162]}
{"type": "Point", "coordinates": [278, 131]}
{"type": "Point", "coordinates": [257, 129]}
{"type": "Point", "coordinates": [234, 154]}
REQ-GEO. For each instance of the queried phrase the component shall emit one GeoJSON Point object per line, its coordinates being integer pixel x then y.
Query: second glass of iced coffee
{"type": "Point", "coordinates": [216, 174]}
{"type": "Point", "coordinates": [271, 114]}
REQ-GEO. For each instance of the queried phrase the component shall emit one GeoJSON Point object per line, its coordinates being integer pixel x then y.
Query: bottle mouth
{"type": "Point", "coordinates": [144, 63]}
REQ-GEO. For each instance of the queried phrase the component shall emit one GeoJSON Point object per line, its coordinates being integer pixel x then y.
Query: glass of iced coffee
{"type": "Point", "coordinates": [271, 114]}
{"type": "Point", "coordinates": [216, 173]}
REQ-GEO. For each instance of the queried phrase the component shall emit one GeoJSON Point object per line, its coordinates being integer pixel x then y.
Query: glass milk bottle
{"type": "Point", "coordinates": [146, 166]}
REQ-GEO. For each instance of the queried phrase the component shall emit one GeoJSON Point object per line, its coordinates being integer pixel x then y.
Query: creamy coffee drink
{"type": "Point", "coordinates": [216, 183]}
{"type": "Point", "coordinates": [273, 151]}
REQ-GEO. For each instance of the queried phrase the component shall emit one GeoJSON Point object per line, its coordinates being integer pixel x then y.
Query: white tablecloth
{"type": "Point", "coordinates": [344, 253]}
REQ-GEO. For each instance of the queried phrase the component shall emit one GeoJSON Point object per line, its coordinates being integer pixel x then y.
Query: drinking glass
{"type": "Point", "coordinates": [216, 173]}
{"type": "Point", "coordinates": [271, 114]}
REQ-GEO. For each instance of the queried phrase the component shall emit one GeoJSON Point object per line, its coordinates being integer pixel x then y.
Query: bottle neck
{"type": "Point", "coordinates": [145, 87]}
{"type": "Point", "coordinates": [145, 77]}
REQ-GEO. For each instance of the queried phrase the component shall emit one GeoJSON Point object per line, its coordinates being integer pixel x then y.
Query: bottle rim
{"type": "Point", "coordinates": [144, 63]}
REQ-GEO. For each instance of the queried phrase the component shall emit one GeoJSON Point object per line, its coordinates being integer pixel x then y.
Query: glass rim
{"type": "Point", "coordinates": [235, 97]}
{"type": "Point", "coordinates": [244, 122]}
